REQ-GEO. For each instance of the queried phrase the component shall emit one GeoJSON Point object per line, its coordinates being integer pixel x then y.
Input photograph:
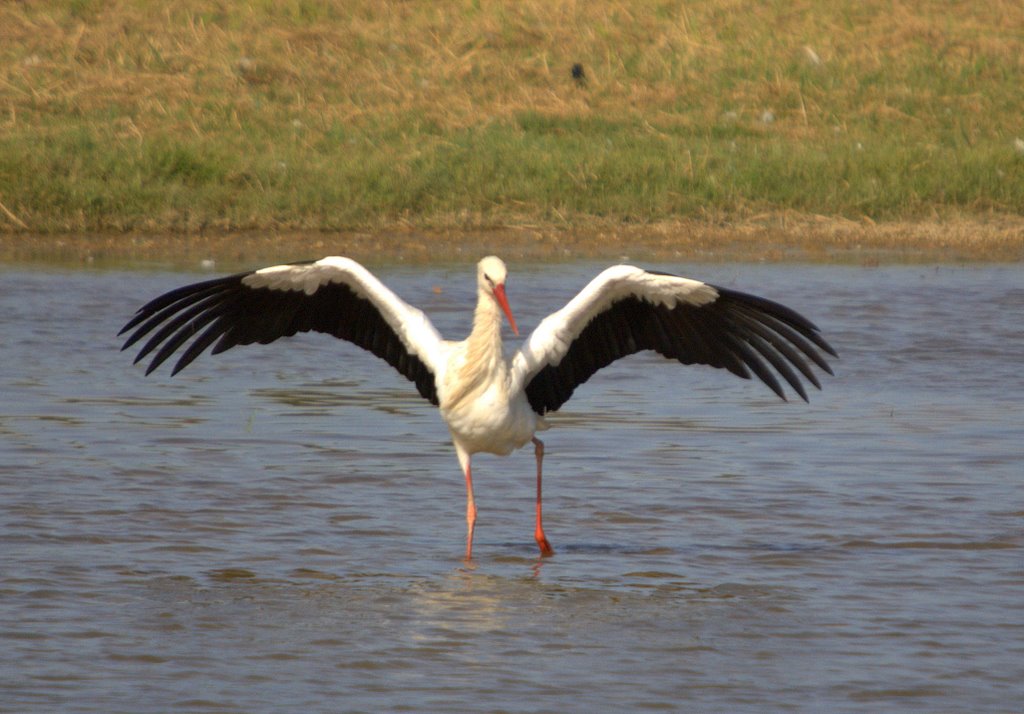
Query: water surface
{"type": "Point", "coordinates": [280, 528]}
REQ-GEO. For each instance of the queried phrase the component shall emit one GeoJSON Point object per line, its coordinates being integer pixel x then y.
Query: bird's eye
{"type": "Point", "coordinates": [488, 279]}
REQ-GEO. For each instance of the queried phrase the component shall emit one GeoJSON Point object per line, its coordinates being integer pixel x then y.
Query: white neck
{"type": "Point", "coordinates": [486, 334]}
{"type": "Point", "coordinates": [482, 360]}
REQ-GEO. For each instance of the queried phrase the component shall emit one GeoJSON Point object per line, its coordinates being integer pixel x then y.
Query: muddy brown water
{"type": "Point", "coordinates": [280, 528]}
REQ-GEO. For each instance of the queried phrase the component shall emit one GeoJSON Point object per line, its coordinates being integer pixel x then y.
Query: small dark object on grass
{"type": "Point", "coordinates": [578, 74]}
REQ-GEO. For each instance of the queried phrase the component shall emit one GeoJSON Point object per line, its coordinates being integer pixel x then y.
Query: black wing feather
{"type": "Point", "coordinates": [226, 312]}
{"type": "Point", "coordinates": [741, 333]}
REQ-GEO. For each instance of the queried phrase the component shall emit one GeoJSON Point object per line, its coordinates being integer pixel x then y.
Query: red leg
{"type": "Point", "coordinates": [470, 510]}
{"type": "Point", "coordinates": [538, 533]}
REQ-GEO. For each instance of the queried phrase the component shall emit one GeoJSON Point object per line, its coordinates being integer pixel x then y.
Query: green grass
{"type": "Point", "coordinates": [305, 114]}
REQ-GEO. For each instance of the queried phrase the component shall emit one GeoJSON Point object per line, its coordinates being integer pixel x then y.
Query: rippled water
{"type": "Point", "coordinates": [280, 528]}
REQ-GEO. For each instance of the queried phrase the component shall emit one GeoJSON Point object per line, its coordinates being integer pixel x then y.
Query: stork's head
{"type": "Point", "coordinates": [490, 276]}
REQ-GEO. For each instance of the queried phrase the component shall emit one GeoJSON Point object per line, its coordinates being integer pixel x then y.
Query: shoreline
{"type": "Point", "coordinates": [769, 238]}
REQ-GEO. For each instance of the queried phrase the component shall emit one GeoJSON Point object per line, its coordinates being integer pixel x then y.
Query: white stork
{"type": "Point", "coordinates": [490, 402]}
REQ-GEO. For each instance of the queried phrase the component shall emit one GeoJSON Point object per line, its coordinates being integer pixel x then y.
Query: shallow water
{"type": "Point", "coordinates": [280, 528]}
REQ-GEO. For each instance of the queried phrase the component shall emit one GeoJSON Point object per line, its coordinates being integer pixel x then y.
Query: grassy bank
{"type": "Point", "coordinates": [185, 116]}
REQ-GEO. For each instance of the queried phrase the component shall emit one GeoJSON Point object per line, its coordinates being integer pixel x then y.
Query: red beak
{"type": "Point", "coordinates": [499, 295]}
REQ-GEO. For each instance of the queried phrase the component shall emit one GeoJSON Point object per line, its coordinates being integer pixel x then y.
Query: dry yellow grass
{"type": "Point", "coordinates": [131, 115]}
{"type": "Point", "coordinates": [462, 63]}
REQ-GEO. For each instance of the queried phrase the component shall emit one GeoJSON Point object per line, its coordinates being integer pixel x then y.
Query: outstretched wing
{"type": "Point", "coordinates": [337, 296]}
{"type": "Point", "coordinates": [625, 310]}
